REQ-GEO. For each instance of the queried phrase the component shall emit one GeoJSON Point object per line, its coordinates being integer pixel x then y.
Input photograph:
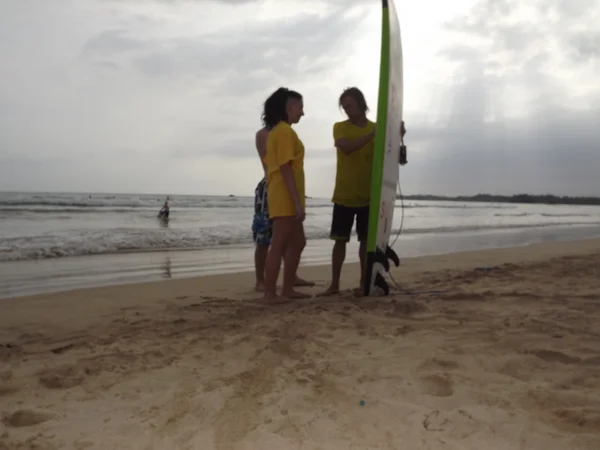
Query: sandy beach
{"type": "Point", "coordinates": [505, 356]}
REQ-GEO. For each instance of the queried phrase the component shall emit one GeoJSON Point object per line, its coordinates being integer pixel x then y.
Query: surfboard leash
{"type": "Point", "coordinates": [397, 285]}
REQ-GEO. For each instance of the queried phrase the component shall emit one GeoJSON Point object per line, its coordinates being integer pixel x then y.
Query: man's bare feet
{"type": "Point", "coordinates": [292, 294]}
{"type": "Point", "coordinates": [331, 290]}
{"type": "Point", "coordinates": [274, 299]}
{"type": "Point", "coordinates": [301, 282]}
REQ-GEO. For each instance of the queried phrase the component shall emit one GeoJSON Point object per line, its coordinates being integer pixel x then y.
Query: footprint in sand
{"type": "Point", "coordinates": [437, 364]}
{"type": "Point", "coordinates": [434, 377]}
{"type": "Point", "coordinates": [26, 418]}
{"type": "Point", "coordinates": [582, 419]}
{"type": "Point", "coordinates": [437, 385]}
{"type": "Point", "coordinates": [61, 378]}
{"type": "Point", "coordinates": [436, 421]}
{"type": "Point", "coordinates": [555, 356]}
{"type": "Point", "coordinates": [66, 377]}
{"type": "Point", "coordinates": [458, 423]}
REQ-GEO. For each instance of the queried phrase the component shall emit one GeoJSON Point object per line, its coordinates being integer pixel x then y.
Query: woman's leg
{"type": "Point", "coordinates": [283, 228]}
{"type": "Point", "coordinates": [296, 244]}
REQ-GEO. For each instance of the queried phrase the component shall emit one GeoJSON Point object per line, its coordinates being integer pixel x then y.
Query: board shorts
{"type": "Point", "coordinates": [343, 220]}
{"type": "Point", "coordinates": [262, 226]}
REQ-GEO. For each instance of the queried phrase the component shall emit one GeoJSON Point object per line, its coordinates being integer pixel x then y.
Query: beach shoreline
{"type": "Point", "coordinates": [22, 278]}
{"type": "Point", "coordinates": [505, 356]}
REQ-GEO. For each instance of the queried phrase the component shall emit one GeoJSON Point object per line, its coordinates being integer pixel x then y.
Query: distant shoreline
{"type": "Point", "coordinates": [520, 198]}
{"type": "Point", "coordinates": [547, 199]}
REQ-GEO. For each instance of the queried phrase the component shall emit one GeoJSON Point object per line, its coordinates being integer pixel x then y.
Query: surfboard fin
{"type": "Point", "coordinates": [391, 254]}
{"type": "Point", "coordinates": [382, 284]}
{"type": "Point", "coordinates": [382, 258]}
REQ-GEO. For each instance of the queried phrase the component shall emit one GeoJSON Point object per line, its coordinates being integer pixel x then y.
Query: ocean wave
{"type": "Point", "coordinates": [542, 215]}
{"type": "Point", "coordinates": [128, 240]}
{"type": "Point", "coordinates": [8, 209]}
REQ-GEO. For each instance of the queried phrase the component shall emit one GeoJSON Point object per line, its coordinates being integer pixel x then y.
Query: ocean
{"type": "Point", "coordinates": [56, 241]}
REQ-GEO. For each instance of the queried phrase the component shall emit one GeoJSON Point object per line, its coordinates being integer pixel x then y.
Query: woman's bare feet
{"type": "Point", "coordinates": [331, 290]}
{"type": "Point", "coordinates": [274, 299]}
{"type": "Point", "coordinates": [301, 282]}
{"type": "Point", "coordinates": [292, 294]}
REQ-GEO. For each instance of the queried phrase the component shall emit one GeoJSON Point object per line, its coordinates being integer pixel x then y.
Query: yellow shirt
{"type": "Point", "coordinates": [353, 177]}
{"type": "Point", "coordinates": [284, 146]}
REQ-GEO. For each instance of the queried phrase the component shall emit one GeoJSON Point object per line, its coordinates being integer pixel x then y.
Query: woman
{"type": "Point", "coordinates": [284, 162]}
{"type": "Point", "coordinates": [262, 225]}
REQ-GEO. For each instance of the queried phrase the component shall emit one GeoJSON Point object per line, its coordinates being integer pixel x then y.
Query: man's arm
{"type": "Point", "coordinates": [347, 146]}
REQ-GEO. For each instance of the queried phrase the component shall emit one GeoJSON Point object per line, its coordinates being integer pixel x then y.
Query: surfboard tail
{"type": "Point", "coordinates": [374, 277]}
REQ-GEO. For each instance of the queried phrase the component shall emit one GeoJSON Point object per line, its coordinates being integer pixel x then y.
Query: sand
{"type": "Point", "coordinates": [506, 358]}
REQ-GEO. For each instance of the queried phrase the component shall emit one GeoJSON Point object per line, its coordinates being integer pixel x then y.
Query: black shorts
{"type": "Point", "coordinates": [343, 220]}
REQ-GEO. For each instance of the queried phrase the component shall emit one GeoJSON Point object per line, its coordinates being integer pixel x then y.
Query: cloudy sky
{"type": "Point", "coordinates": [164, 96]}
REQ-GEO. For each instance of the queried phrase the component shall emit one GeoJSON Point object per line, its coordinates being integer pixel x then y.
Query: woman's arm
{"type": "Point", "coordinates": [290, 183]}
{"type": "Point", "coordinates": [284, 147]}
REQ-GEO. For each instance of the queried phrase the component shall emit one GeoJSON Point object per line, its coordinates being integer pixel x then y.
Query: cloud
{"type": "Point", "coordinates": [282, 49]}
{"type": "Point", "coordinates": [514, 120]}
{"type": "Point", "coordinates": [141, 95]}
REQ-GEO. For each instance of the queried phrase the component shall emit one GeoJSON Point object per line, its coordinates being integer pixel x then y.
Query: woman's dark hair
{"type": "Point", "coordinates": [274, 108]}
{"type": "Point", "coordinates": [357, 95]}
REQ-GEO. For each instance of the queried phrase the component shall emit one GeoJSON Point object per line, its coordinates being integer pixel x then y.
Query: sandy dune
{"type": "Point", "coordinates": [506, 358]}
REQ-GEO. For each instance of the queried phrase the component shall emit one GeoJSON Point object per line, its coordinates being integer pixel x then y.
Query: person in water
{"type": "Point", "coordinates": [262, 225]}
{"type": "Point", "coordinates": [354, 140]}
{"type": "Point", "coordinates": [284, 162]}
{"type": "Point", "coordinates": [164, 211]}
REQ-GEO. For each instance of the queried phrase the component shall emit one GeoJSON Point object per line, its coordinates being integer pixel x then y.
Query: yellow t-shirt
{"type": "Point", "coordinates": [283, 146]}
{"type": "Point", "coordinates": [353, 177]}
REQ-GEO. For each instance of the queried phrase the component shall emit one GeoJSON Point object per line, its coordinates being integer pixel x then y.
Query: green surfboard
{"type": "Point", "coordinates": [386, 154]}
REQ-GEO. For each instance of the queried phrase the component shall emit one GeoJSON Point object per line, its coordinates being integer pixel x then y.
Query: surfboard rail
{"type": "Point", "coordinates": [386, 154]}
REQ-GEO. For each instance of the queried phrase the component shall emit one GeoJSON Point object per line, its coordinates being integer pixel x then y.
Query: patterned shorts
{"type": "Point", "coordinates": [262, 226]}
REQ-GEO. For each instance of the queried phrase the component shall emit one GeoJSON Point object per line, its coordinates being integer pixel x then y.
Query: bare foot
{"type": "Point", "coordinates": [274, 299]}
{"type": "Point", "coordinates": [259, 287]}
{"type": "Point", "coordinates": [292, 294]}
{"type": "Point", "coordinates": [331, 290]}
{"type": "Point", "coordinates": [302, 282]}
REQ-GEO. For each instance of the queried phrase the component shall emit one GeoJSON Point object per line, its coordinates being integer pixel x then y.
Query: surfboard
{"type": "Point", "coordinates": [386, 154]}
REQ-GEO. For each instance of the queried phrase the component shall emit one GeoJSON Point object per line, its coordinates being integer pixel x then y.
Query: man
{"type": "Point", "coordinates": [262, 226]}
{"type": "Point", "coordinates": [354, 141]}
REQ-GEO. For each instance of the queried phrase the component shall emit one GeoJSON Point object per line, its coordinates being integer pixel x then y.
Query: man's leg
{"type": "Point", "coordinates": [262, 231]}
{"type": "Point", "coordinates": [341, 227]}
{"type": "Point", "coordinates": [260, 258]}
{"type": "Point", "coordinates": [262, 235]}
